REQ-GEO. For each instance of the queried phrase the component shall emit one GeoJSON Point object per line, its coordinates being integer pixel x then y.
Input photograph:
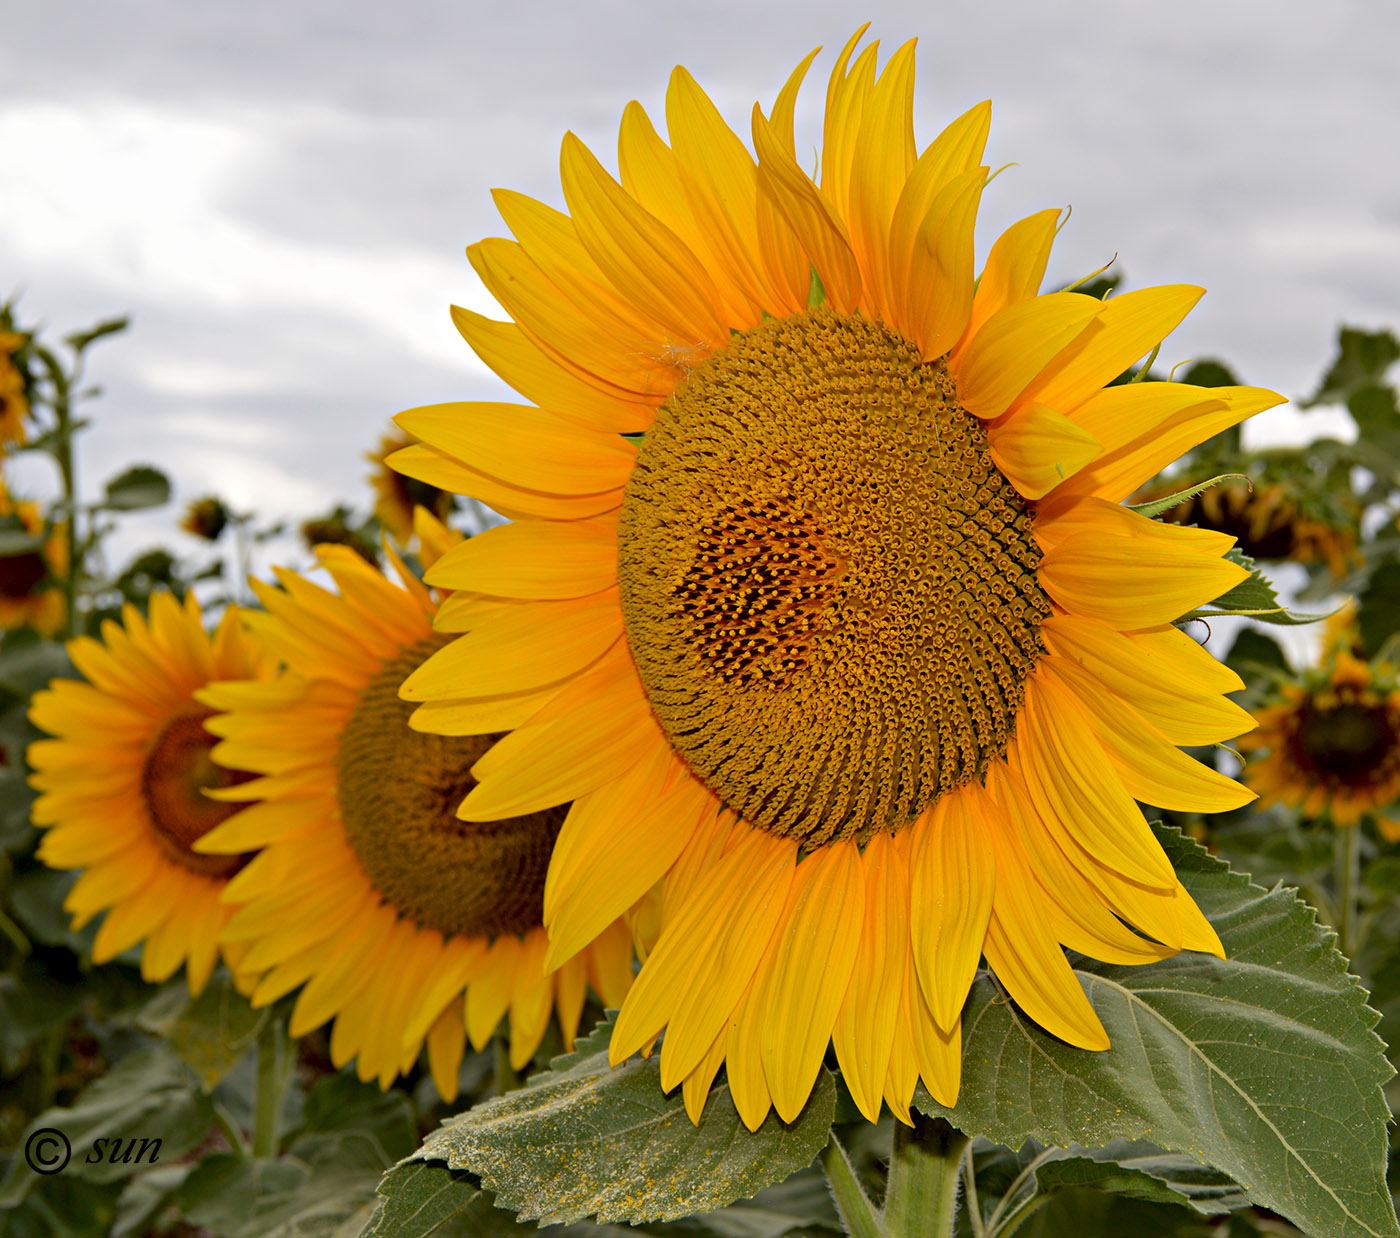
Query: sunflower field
{"type": "Point", "coordinates": [861, 746]}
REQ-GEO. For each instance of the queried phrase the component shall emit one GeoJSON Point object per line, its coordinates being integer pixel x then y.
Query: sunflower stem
{"type": "Point", "coordinates": [60, 400]}
{"type": "Point", "coordinates": [925, 1174]}
{"type": "Point", "coordinates": [274, 1073]}
{"type": "Point", "coordinates": [1346, 861]}
{"type": "Point", "coordinates": [506, 1078]}
{"type": "Point", "coordinates": [859, 1216]}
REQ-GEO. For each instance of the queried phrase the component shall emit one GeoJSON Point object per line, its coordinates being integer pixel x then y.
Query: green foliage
{"type": "Point", "coordinates": [137, 488]}
{"type": "Point", "coordinates": [211, 1032]}
{"type": "Point", "coordinates": [1254, 598]}
{"type": "Point", "coordinates": [583, 1140]}
{"type": "Point", "coordinates": [1210, 1057]}
{"type": "Point", "coordinates": [1363, 357]}
{"type": "Point", "coordinates": [1158, 506]}
{"type": "Point", "coordinates": [148, 1095]}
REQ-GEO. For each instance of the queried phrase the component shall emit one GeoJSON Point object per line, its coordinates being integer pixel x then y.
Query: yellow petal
{"type": "Point", "coordinates": [1130, 326]}
{"type": "Point", "coordinates": [509, 352]}
{"type": "Point", "coordinates": [489, 993]}
{"type": "Point", "coordinates": [1037, 448]}
{"type": "Point", "coordinates": [811, 217]}
{"type": "Point", "coordinates": [533, 559]}
{"type": "Point", "coordinates": [447, 1042]}
{"type": "Point", "coordinates": [864, 1033]}
{"type": "Point", "coordinates": [1132, 572]}
{"type": "Point", "coordinates": [1184, 709]}
{"type": "Point", "coordinates": [816, 952]}
{"type": "Point", "coordinates": [1152, 769]}
{"type": "Point", "coordinates": [1070, 778]}
{"type": "Point", "coordinates": [707, 954]}
{"type": "Point", "coordinates": [524, 445]}
{"type": "Point", "coordinates": [951, 877]}
{"type": "Point", "coordinates": [939, 297]}
{"type": "Point", "coordinates": [1145, 426]}
{"type": "Point", "coordinates": [646, 261]}
{"type": "Point", "coordinates": [1014, 345]}
{"type": "Point", "coordinates": [1014, 270]}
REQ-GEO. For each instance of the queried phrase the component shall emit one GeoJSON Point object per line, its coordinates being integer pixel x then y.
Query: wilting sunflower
{"type": "Point", "coordinates": [124, 784]}
{"type": "Point", "coordinates": [30, 592]}
{"type": "Point", "coordinates": [398, 496]}
{"type": "Point", "coordinates": [819, 602]}
{"type": "Point", "coordinates": [367, 889]}
{"type": "Point", "coordinates": [1329, 746]}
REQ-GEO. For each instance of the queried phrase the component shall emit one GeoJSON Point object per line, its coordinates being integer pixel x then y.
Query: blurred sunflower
{"type": "Point", "coordinates": [855, 651]}
{"type": "Point", "coordinates": [1330, 745]}
{"type": "Point", "coordinates": [205, 518]}
{"type": "Point", "coordinates": [30, 595]}
{"type": "Point", "coordinates": [1269, 520]}
{"type": "Point", "coordinates": [397, 496]}
{"type": "Point", "coordinates": [366, 888]}
{"type": "Point", "coordinates": [14, 398]}
{"type": "Point", "coordinates": [124, 784]}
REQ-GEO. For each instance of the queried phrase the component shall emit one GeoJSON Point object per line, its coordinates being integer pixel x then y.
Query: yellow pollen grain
{"type": "Point", "coordinates": [399, 790]}
{"type": "Point", "coordinates": [828, 587]}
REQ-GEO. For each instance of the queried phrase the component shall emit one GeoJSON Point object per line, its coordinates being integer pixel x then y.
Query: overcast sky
{"type": "Point", "coordinates": [280, 191]}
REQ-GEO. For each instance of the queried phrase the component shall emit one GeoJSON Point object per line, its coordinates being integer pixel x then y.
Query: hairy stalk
{"type": "Point", "coordinates": [1346, 861]}
{"type": "Point", "coordinates": [859, 1216]}
{"type": "Point", "coordinates": [925, 1173]}
{"type": "Point", "coordinates": [274, 1073]}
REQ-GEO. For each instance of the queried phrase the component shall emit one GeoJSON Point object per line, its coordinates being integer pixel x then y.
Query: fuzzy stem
{"type": "Point", "coordinates": [274, 1073]}
{"type": "Point", "coordinates": [1346, 866]}
{"type": "Point", "coordinates": [858, 1215]}
{"type": "Point", "coordinates": [925, 1172]}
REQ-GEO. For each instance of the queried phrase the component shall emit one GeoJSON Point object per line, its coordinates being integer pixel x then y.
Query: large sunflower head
{"type": "Point", "coordinates": [1329, 746]}
{"type": "Point", "coordinates": [403, 921]}
{"type": "Point", "coordinates": [31, 593]}
{"type": "Point", "coordinates": [818, 600]}
{"type": "Point", "coordinates": [126, 783]}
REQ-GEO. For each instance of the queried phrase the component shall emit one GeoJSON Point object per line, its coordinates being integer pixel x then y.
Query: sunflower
{"type": "Point", "coordinates": [819, 601]}
{"type": "Point", "coordinates": [398, 496]}
{"type": "Point", "coordinates": [1268, 521]}
{"type": "Point", "coordinates": [29, 592]}
{"type": "Point", "coordinates": [14, 398]}
{"type": "Point", "coordinates": [366, 887]}
{"type": "Point", "coordinates": [205, 518]}
{"type": "Point", "coordinates": [124, 784]}
{"type": "Point", "coordinates": [1330, 745]}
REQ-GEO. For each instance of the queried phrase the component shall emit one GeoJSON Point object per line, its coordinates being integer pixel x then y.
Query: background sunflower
{"type": "Point", "coordinates": [402, 923]}
{"type": "Point", "coordinates": [124, 783]}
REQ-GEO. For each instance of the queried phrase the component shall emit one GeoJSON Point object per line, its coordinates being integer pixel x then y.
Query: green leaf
{"type": "Point", "coordinates": [145, 1196]}
{"type": "Point", "coordinates": [1254, 598]}
{"type": "Point", "coordinates": [246, 1197]}
{"type": "Point", "coordinates": [1378, 606]}
{"type": "Point", "coordinates": [1265, 1065]}
{"type": "Point", "coordinates": [37, 900]}
{"type": "Point", "coordinates": [1255, 651]}
{"type": "Point", "coordinates": [341, 1105]}
{"type": "Point", "coordinates": [1138, 1170]}
{"type": "Point", "coordinates": [79, 340]}
{"type": "Point", "coordinates": [18, 541]}
{"type": "Point", "coordinates": [1209, 373]}
{"type": "Point", "coordinates": [1158, 506]}
{"type": "Point", "coordinates": [137, 488]}
{"type": "Point", "coordinates": [1362, 360]}
{"type": "Point", "coordinates": [582, 1140]}
{"type": "Point", "coordinates": [148, 1095]}
{"type": "Point", "coordinates": [211, 1031]}
{"type": "Point", "coordinates": [418, 1197]}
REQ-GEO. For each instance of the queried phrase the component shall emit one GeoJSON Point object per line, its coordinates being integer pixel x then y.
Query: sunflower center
{"type": "Point", "coordinates": [20, 573]}
{"type": "Point", "coordinates": [177, 772]}
{"type": "Point", "coordinates": [1348, 744]}
{"type": "Point", "coordinates": [828, 587]}
{"type": "Point", "coordinates": [399, 791]}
